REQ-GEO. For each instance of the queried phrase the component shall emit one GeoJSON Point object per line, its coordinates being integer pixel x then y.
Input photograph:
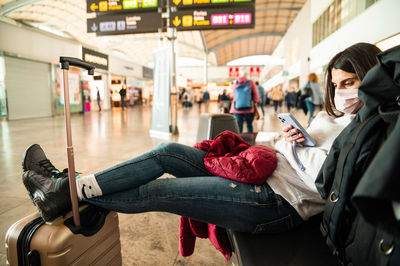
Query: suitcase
{"type": "Point", "coordinates": [31, 241]}
{"type": "Point", "coordinates": [88, 235]}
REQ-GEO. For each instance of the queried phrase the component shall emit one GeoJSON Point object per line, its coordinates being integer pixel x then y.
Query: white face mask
{"type": "Point", "coordinates": [346, 100]}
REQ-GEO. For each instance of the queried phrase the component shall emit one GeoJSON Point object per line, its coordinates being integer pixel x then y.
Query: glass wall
{"type": "Point", "coordinates": [337, 15]}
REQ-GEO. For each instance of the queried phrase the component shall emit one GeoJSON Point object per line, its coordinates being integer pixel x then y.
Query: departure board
{"type": "Point", "coordinates": [213, 18]}
{"type": "Point", "coordinates": [207, 3]}
{"type": "Point", "coordinates": [120, 6]}
{"type": "Point", "coordinates": [125, 23]}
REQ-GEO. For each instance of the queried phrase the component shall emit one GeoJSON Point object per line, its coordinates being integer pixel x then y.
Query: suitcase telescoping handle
{"type": "Point", "coordinates": [71, 61]}
{"type": "Point", "coordinates": [65, 63]}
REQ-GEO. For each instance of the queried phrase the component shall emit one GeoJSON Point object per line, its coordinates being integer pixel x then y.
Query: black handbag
{"type": "Point", "coordinates": [307, 90]}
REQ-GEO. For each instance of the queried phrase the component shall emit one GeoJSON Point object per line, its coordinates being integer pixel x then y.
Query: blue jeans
{"type": "Point", "coordinates": [122, 102]}
{"type": "Point", "coordinates": [310, 107]}
{"type": "Point", "coordinates": [276, 105]}
{"type": "Point", "coordinates": [261, 105]}
{"type": "Point", "coordinates": [134, 187]}
{"type": "Point", "coordinates": [240, 118]}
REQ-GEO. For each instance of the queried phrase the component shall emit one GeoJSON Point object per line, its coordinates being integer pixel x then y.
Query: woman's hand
{"type": "Point", "coordinates": [292, 134]}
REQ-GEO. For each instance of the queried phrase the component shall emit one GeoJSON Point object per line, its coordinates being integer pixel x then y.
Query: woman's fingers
{"type": "Point", "coordinates": [289, 133]}
{"type": "Point", "coordinates": [300, 140]}
{"type": "Point", "coordinates": [292, 134]}
{"type": "Point", "coordinates": [287, 128]}
{"type": "Point", "coordinates": [298, 136]}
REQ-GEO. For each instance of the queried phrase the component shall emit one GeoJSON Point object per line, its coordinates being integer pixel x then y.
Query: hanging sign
{"type": "Point", "coordinates": [147, 72]}
{"type": "Point", "coordinates": [233, 72]}
{"type": "Point", "coordinates": [254, 72]}
{"type": "Point", "coordinates": [97, 59]}
{"type": "Point", "coordinates": [120, 6]}
{"type": "Point", "coordinates": [207, 3]}
{"type": "Point", "coordinates": [125, 23]}
{"type": "Point", "coordinates": [189, 83]}
{"type": "Point", "coordinates": [214, 18]}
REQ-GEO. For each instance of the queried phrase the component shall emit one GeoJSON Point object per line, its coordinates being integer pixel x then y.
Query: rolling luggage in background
{"type": "Point", "coordinates": [89, 235]}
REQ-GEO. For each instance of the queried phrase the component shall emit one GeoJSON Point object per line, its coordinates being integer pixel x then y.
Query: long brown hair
{"type": "Point", "coordinates": [358, 59]}
{"type": "Point", "coordinates": [312, 77]}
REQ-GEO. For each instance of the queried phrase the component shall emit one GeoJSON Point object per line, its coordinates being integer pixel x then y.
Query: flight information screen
{"type": "Point", "coordinates": [110, 6]}
{"type": "Point", "coordinates": [213, 18]}
{"type": "Point", "coordinates": [208, 3]}
{"type": "Point", "coordinates": [125, 23]}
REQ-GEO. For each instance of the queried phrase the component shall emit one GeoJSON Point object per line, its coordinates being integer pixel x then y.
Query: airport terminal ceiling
{"type": "Point", "coordinates": [272, 19]}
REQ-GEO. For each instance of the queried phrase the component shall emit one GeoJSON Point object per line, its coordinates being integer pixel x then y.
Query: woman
{"type": "Point", "coordinates": [315, 98]}
{"type": "Point", "coordinates": [288, 197]}
{"type": "Point", "coordinates": [343, 77]}
{"type": "Point", "coordinates": [276, 96]}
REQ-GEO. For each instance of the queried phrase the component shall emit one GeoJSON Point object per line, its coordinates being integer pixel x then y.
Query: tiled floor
{"type": "Point", "coordinates": [101, 140]}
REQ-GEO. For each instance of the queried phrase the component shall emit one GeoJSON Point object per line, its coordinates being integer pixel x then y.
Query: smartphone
{"type": "Point", "coordinates": [288, 119]}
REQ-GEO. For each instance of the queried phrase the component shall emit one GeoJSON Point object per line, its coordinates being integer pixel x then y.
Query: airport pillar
{"type": "Point", "coordinates": [206, 68]}
{"type": "Point", "coordinates": [173, 80]}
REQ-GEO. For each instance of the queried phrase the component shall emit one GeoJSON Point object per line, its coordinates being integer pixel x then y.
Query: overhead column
{"type": "Point", "coordinates": [203, 39]}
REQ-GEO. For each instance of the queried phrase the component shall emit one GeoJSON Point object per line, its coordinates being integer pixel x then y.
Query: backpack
{"type": "Point", "coordinates": [366, 151]}
{"type": "Point", "coordinates": [243, 96]}
{"type": "Point", "coordinates": [300, 102]}
{"type": "Point", "coordinates": [307, 91]}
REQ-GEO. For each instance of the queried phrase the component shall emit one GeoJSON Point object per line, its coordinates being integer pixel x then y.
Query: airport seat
{"type": "Point", "coordinates": [210, 125]}
{"type": "Point", "coordinates": [302, 246]}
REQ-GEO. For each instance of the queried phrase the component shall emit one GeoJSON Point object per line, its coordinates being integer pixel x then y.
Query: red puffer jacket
{"type": "Point", "coordinates": [229, 156]}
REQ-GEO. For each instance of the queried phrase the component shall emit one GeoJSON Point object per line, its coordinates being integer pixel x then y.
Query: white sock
{"type": "Point", "coordinates": [87, 187]}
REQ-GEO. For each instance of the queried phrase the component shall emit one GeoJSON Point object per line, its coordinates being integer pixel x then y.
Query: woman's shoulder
{"type": "Point", "coordinates": [323, 115]}
{"type": "Point", "coordinates": [321, 119]}
{"type": "Point", "coordinates": [345, 119]}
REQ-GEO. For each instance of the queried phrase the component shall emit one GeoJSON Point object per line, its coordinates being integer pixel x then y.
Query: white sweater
{"type": "Point", "coordinates": [296, 186]}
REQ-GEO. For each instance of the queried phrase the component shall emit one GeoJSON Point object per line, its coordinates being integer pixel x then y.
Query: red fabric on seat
{"type": "Point", "coordinates": [189, 229]}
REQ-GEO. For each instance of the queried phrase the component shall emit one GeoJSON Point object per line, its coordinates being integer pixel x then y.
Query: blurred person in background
{"type": "Point", "coordinates": [245, 96]}
{"type": "Point", "coordinates": [122, 93]}
{"type": "Point", "coordinates": [277, 97]}
{"type": "Point", "coordinates": [261, 96]}
{"type": "Point", "coordinates": [314, 95]}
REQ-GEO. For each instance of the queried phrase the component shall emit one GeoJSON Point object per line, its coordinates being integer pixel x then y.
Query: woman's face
{"type": "Point", "coordinates": [346, 91]}
{"type": "Point", "coordinates": [344, 80]}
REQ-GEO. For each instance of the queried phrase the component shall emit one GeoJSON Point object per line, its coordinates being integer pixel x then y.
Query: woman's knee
{"type": "Point", "coordinates": [164, 146]}
{"type": "Point", "coordinates": [167, 147]}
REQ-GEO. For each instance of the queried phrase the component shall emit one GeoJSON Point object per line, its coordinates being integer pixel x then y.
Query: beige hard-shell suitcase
{"type": "Point", "coordinates": [30, 241]}
{"type": "Point", "coordinates": [88, 235]}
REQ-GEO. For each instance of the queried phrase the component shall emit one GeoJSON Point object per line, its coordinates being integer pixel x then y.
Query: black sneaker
{"type": "Point", "coordinates": [51, 196]}
{"type": "Point", "coordinates": [35, 159]}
